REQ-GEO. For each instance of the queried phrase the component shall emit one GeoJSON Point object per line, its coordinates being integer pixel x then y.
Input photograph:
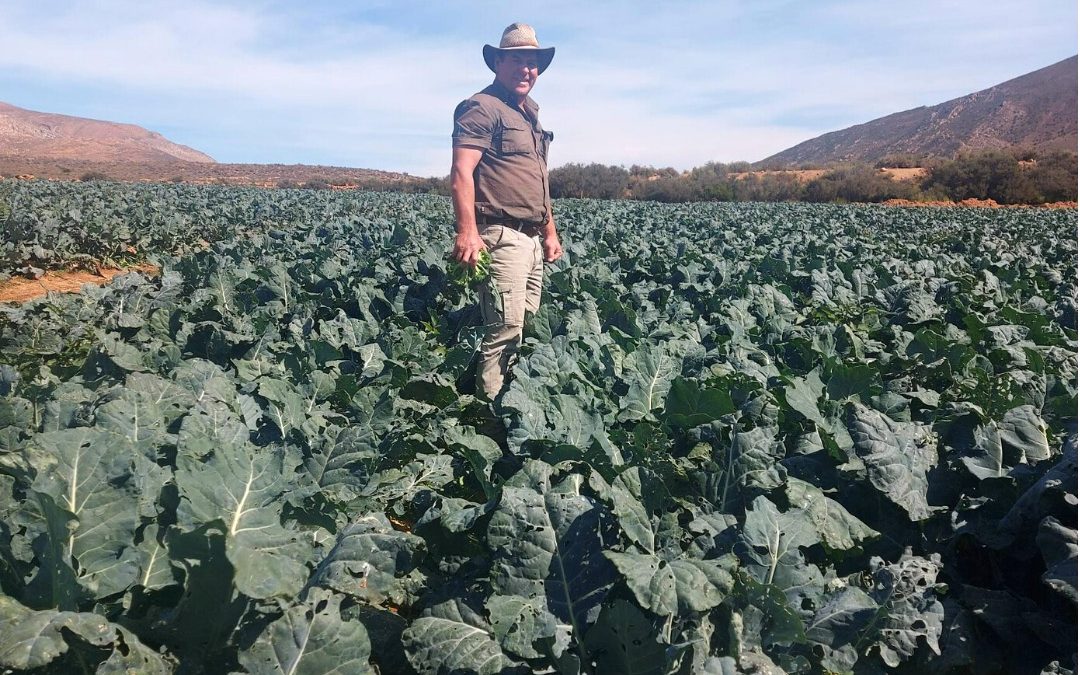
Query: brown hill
{"type": "Point", "coordinates": [51, 146]}
{"type": "Point", "coordinates": [37, 135]}
{"type": "Point", "coordinates": [1036, 111]}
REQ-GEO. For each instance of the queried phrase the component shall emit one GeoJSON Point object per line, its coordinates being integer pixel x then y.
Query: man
{"type": "Point", "coordinates": [499, 183]}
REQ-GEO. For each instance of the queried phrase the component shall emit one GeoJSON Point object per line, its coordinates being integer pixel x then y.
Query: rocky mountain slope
{"type": "Point", "coordinates": [37, 135]}
{"type": "Point", "coordinates": [1036, 111]}
{"type": "Point", "coordinates": [46, 145]}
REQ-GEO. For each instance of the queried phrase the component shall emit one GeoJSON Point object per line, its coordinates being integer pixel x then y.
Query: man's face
{"type": "Point", "coordinates": [517, 71]}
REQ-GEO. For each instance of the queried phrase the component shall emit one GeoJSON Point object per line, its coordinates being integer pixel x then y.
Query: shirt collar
{"type": "Point", "coordinates": [506, 97]}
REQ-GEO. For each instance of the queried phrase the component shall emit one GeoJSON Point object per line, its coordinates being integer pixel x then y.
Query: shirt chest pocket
{"type": "Point", "coordinates": [515, 140]}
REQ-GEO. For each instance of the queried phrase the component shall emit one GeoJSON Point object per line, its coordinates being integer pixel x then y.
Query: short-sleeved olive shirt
{"type": "Point", "coordinates": [511, 179]}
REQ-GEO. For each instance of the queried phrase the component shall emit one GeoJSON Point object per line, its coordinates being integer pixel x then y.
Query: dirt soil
{"type": "Point", "coordinates": [65, 281]}
{"type": "Point", "coordinates": [807, 175]}
{"type": "Point", "coordinates": [912, 173]}
{"type": "Point", "coordinates": [980, 203]}
{"type": "Point", "coordinates": [803, 175]}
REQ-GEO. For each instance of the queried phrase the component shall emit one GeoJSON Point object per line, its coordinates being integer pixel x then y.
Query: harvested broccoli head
{"type": "Point", "coordinates": [466, 275]}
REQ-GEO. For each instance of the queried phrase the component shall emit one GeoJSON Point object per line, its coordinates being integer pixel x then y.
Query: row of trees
{"type": "Point", "coordinates": [1006, 177]}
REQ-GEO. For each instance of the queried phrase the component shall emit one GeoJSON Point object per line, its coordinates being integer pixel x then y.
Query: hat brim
{"type": "Point", "coordinates": [543, 56]}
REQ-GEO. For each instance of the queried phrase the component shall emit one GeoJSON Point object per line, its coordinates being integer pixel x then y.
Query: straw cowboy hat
{"type": "Point", "coordinates": [519, 37]}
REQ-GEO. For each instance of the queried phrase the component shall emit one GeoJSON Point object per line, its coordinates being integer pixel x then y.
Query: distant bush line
{"type": "Point", "coordinates": [1003, 176]}
{"type": "Point", "coordinates": [372, 184]}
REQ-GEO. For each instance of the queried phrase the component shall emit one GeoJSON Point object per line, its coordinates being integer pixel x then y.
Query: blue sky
{"type": "Point", "coordinates": [373, 84]}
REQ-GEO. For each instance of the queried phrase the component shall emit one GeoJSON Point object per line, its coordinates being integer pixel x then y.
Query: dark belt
{"type": "Point", "coordinates": [524, 226]}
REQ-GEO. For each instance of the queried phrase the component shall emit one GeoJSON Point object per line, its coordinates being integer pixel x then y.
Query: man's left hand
{"type": "Point", "coordinates": [552, 248]}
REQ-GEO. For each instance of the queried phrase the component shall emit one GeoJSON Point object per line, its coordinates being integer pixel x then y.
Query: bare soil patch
{"type": "Point", "coordinates": [64, 281]}
{"type": "Point", "coordinates": [913, 173]}
{"type": "Point", "coordinates": [980, 203]}
{"type": "Point", "coordinates": [802, 175]}
{"type": "Point", "coordinates": [807, 175]}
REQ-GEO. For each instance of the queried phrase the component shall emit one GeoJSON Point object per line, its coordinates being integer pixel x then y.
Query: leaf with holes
{"type": "Point", "coordinates": [368, 560]}
{"type": "Point", "coordinates": [453, 638]}
{"type": "Point", "coordinates": [311, 638]}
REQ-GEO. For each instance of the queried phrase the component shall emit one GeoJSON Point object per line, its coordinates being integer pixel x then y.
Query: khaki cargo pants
{"type": "Point", "coordinates": [517, 274]}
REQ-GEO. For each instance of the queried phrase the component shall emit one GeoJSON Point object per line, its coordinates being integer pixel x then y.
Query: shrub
{"type": "Point", "coordinates": [856, 183]}
{"type": "Point", "coordinates": [662, 188]}
{"type": "Point", "coordinates": [987, 174]}
{"type": "Point", "coordinates": [594, 180]}
{"type": "Point", "coordinates": [1054, 177]}
{"type": "Point", "coordinates": [769, 187]}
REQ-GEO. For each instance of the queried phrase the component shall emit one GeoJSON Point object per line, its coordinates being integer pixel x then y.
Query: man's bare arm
{"type": "Point", "coordinates": [467, 244]}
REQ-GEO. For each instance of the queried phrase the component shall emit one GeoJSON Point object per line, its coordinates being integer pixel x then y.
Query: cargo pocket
{"type": "Point", "coordinates": [513, 307]}
{"type": "Point", "coordinates": [502, 307]}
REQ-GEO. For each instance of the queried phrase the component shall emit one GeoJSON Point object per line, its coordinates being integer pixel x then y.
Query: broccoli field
{"type": "Point", "coordinates": [741, 438]}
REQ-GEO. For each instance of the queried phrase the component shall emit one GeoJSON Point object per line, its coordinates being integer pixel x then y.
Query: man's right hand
{"type": "Point", "coordinates": [467, 247]}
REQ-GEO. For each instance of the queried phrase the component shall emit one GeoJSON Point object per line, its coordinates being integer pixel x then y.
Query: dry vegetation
{"type": "Point", "coordinates": [199, 173]}
{"type": "Point", "coordinates": [807, 175]}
